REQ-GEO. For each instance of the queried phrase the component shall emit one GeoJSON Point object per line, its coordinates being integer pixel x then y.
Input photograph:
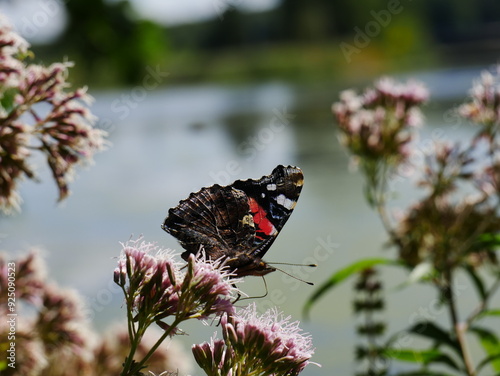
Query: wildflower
{"type": "Point", "coordinates": [487, 178]}
{"type": "Point", "coordinates": [31, 358]}
{"type": "Point", "coordinates": [55, 338]}
{"type": "Point", "coordinates": [446, 234]}
{"type": "Point", "coordinates": [157, 288]}
{"type": "Point", "coordinates": [377, 129]}
{"type": "Point", "coordinates": [11, 46]}
{"type": "Point", "coordinates": [267, 344]}
{"type": "Point", "coordinates": [63, 131]}
{"type": "Point", "coordinates": [445, 166]}
{"type": "Point", "coordinates": [443, 228]}
{"type": "Point", "coordinates": [484, 105]}
{"type": "Point", "coordinates": [14, 153]}
{"type": "Point", "coordinates": [375, 125]}
{"type": "Point", "coordinates": [60, 320]}
{"type": "Point", "coordinates": [30, 277]}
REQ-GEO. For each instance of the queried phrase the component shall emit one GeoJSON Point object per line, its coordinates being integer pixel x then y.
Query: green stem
{"type": "Point", "coordinates": [134, 336]}
{"type": "Point", "coordinates": [458, 327]}
{"type": "Point", "coordinates": [379, 189]}
{"type": "Point", "coordinates": [130, 325]}
{"type": "Point", "coordinates": [167, 332]}
{"type": "Point", "coordinates": [134, 343]}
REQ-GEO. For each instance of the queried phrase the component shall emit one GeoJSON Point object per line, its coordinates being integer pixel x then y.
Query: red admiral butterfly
{"type": "Point", "coordinates": [239, 221]}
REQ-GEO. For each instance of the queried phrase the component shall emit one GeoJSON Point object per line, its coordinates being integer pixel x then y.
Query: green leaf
{"type": "Point", "coordinates": [7, 99]}
{"type": "Point", "coordinates": [343, 274]}
{"type": "Point", "coordinates": [486, 361]}
{"type": "Point", "coordinates": [430, 330]}
{"type": "Point", "coordinates": [369, 196]}
{"type": "Point", "coordinates": [490, 344]}
{"type": "Point", "coordinates": [478, 282]}
{"type": "Point", "coordinates": [421, 272]}
{"type": "Point", "coordinates": [423, 373]}
{"type": "Point", "coordinates": [421, 356]}
{"type": "Point", "coordinates": [490, 312]}
{"type": "Point", "coordinates": [489, 240]}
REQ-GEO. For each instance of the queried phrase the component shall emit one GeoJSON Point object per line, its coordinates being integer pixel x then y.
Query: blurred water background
{"type": "Point", "coordinates": [204, 112]}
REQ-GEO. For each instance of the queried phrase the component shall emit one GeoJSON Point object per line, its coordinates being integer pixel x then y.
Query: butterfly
{"type": "Point", "coordinates": [238, 222]}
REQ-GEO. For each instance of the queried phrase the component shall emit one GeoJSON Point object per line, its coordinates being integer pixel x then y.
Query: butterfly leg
{"type": "Point", "coordinates": [237, 297]}
{"type": "Point", "coordinates": [254, 297]}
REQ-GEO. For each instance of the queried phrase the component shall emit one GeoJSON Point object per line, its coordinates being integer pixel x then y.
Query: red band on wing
{"type": "Point", "coordinates": [264, 225]}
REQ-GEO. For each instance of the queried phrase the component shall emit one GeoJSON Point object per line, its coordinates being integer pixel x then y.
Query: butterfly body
{"type": "Point", "coordinates": [238, 222]}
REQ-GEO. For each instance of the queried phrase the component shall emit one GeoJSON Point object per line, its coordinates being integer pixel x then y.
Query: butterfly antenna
{"type": "Point", "coordinates": [290, 275]}
{"type": "Point", "coordinates": [287, 263]}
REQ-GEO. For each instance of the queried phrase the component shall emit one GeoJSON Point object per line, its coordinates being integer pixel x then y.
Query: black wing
{"type": "Point", "coordinates": [244, 217]}
{"type": "Point", "coordinates": [216, 218]}
{"type": "Point", "coordinates": [272, 199]}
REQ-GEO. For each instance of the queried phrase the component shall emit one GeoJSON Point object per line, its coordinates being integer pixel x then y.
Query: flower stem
{"type": "Point", "coordinates": [378, 185]}
{"type": "Point", "coordinates": [167, 332]}
{"type": "Point", "coordinates": [458, 327]}
{"type": "Point", "coordinates": [134, 343]}
{"type": "Point", "coordinates": [135, 336]}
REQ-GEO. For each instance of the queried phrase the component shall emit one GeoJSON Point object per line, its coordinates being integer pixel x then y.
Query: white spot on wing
{"type": "Point", "coordinates": [280, 199]}
{"type": "Point", "coordinates": [286, 202]}
{"type": "Point", "coordinates": [271, 187]}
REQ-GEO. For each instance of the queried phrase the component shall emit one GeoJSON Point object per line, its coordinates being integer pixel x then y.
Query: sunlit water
{"type": "Point", "coordinates": [171, 142]}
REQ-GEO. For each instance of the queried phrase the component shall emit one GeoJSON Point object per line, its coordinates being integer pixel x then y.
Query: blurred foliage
{"type": "Point", "coordinates": [297, 40]}
{"type": "Point", "coordinates": [109, 43]}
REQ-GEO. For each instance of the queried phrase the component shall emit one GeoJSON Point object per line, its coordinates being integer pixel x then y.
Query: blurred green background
{"type": "Point", "coordinates": [241, 41]}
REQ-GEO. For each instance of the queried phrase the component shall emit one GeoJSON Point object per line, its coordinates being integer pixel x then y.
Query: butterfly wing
{"type": "Point", "coordinates": [239, 222]}
{"type": "Point", "coordinates": [216, 218]}
{"type": "Point", "coordinates": [271, 200]}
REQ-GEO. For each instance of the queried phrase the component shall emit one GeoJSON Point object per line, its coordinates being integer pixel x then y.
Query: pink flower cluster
{"type": "Point", "coordinates": [156, 288]}
{"type": "Point", "coordinates": [38, 114]}
{"type": "Point", "coordinates": [484, 104]}
{"type": "Point", "coordinates": [53, 336]}
{"type": "Point", "coordinates": [253, 344]}
{"type": "Point", "coordinates": [447, 226]}
{"type": "Point", "coordinates": [461, 204]}
{"type": "Point", "coordinates": [444, 167]}
{"type": "Point", "coordinates": [376, 125]}
{"type": "Point", "coordinates": [57, 326]}
{"type": "Point", "coordinates": [11, 45]}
